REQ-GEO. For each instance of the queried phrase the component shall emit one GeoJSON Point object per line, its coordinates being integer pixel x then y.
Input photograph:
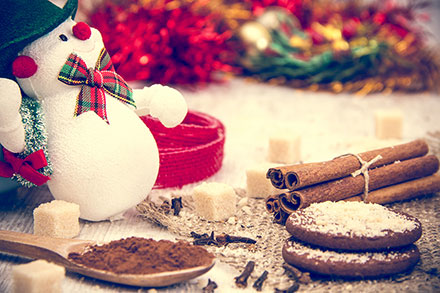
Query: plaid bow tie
{"type": "Point", "coordinates": [95, 83]}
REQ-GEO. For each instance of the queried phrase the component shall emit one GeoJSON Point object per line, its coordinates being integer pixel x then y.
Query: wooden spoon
{"type": "Point", "coordinates": [56, 250]}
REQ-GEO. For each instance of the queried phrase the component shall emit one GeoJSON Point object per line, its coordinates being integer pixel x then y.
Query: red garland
{"type": "Point", "coordinates": [164, 45]}
{"type": "Point", "coordinates": [190, 152]}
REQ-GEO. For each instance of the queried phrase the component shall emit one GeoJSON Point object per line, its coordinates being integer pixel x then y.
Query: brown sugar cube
{"type": "Point", "coordinates": [57, 218]}
{"type": "Point", "coordinates": [215, 201]}
{"type": "Point", "coordinates": [257, 185]}
{"type": "Point", "coordinates": [284, 147]}
{"type": "Point", "coordinates": [38, 276]}
{"type": "Point", "coordinates": [389, 123]}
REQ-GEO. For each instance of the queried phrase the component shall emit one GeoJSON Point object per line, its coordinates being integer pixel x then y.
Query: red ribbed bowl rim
{"type": "Point", "coordinates": [189, 152]}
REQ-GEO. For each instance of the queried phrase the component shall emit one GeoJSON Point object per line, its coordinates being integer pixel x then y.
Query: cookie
{"type": "Point", "coordinates": [353, 226]}
{"type": "Point", "coordinates": [350, 264]}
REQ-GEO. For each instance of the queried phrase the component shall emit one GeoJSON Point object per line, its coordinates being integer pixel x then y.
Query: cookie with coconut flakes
{"type": "Point", "coordinates": [353, 226]}
{"type": "Point", "coordinates": [348, 263]}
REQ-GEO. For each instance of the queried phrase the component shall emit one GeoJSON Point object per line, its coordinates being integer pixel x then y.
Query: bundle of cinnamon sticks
{"type": "Point", "coordinates": [395, 173]}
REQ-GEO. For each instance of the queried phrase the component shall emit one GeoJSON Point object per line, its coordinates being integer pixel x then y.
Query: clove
{"type": "Point", "coordinates": [176, 205]}
{"type": "Point", "coordinates": [297, 275]}
{"type": "Point", "coordinates": [258, 285]}
{"type": "Point", "coordinates": [210, 287]}
{"type": "Point", "coordinates": [204, 239]}
{"type": "Point", "coordinates": [165, 207]}
{"type": "Point", "coordinates": [198, 236]}
{"type": "Point", "coordinates": [291, 289]}
{"type": "Point", "coordinates": [241, 280]}
{"type": "Point", "coordinates": [225, 239]}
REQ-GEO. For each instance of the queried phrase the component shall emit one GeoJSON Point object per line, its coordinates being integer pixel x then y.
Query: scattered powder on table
{"type": "Point", "coordinates": [353, 219]}
{"type": "Point", "coordinates": [136, 255]}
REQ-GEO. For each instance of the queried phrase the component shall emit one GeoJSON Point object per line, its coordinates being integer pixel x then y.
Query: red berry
{"type": "Point", "coordinates": [82, 31]}
{"type": "Point", "coordinates": [24, 67]}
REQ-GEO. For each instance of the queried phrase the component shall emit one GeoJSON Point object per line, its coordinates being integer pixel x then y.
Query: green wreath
{"type": "Point", "coordinates": [35, 136]}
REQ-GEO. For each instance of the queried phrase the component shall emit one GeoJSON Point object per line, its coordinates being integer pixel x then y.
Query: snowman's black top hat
{"type": "Point", "coordinates": [23, 21]}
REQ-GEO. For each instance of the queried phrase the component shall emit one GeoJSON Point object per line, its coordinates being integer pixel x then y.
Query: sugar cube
{"type": "Point", "coordinates": [388, 123]}
{"type": "Point", "coordinates": [257, 185]}
{"type": "Point", "coordinates": [284, 147]}
{"type": "Point", "coordinates": [57, 218]}
{"type": "Point", "coordinates": [215, 201]}
{"type": "Point", "coordinates": [38, 276]}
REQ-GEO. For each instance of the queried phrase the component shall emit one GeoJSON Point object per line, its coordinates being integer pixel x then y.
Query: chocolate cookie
{"type": "Point", "coordinates": [350, 264]}
{"type": "Point", "coordinates": [353, 226]}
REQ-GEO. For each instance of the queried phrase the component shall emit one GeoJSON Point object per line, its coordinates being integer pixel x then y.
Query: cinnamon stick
{"type": "Point", "coordinates": [277, 175]}
{"type": "Point", "coordinates": [280, 217]}
{"type": "Point", "coordinates": [297, 176]}
{"type": "Point", "coordinates": [403, 191]}
{"type": "Point", "coordinates": [276, 206]}
{"type": "Point", "coordinates": [349, 186]}
{"type": "Point", "coordinates": [271, 202]}
{"type": "Point", "coordinates": [287, 203]}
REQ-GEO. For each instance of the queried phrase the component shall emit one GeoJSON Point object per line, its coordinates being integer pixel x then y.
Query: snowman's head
{"type": "Point", "coordinates": [39, 63]}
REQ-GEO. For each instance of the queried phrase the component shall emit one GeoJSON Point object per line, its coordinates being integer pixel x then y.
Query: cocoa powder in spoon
{"type": "Point", "coordinates": [136, 255]}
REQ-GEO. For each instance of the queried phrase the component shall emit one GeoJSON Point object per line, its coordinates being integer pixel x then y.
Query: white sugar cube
{"type": "Point", "coordinates": [257, 185]}
{"type": "Point", "coordinates": [215, 201]}
{"type": "Point", "coordinates": [389, 123]}
{"type": "Point", "coordinates": [38, 276]}
{"type": "Point", "coordinates": [284, 147]}
{"type": "Point", "coordinates": [57, 218]}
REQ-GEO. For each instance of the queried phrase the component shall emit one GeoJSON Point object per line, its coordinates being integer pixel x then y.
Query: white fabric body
{"type": "Point", "coordinates": [105, 168]}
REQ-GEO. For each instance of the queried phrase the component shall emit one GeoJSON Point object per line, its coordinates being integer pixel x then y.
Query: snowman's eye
{"type": "Point", "coordinates": [63, 38]}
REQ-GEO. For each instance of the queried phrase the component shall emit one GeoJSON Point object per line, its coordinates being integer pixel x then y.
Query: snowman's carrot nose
{"type": "Point", "coordinates": [82, 31]}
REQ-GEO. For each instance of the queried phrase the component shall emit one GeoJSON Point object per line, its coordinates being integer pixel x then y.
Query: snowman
{"type": "Point", "coordinates": [69, 119]}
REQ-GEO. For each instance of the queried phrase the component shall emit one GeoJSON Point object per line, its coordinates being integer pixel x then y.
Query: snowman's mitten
{"type": "Point", "coordinates": [165, 103]}
{"type": "Point", "coordinates": [12, 133]}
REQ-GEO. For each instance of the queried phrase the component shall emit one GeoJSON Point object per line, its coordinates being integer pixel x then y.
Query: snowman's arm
{"type": "Point", "coordinates": [142, 99]}
{"type": "Point", "coordinates": [12, 134]}
{"type": "Point", "coordinates": [162, 102]}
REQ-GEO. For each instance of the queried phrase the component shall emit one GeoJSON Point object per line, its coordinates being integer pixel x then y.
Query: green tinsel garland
{"type": "Point", "coordinates": [361, 62]}
{"type": "Point", "coordinates": [35, 136]}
